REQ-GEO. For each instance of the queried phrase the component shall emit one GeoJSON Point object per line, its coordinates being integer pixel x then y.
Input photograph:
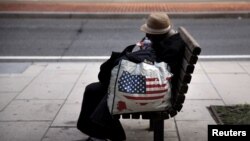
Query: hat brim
{"type": "Point", "coordinates": [146, 29]}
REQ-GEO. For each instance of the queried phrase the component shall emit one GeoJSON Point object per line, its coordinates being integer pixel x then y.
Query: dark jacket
{"type": "Point", "coordinates": [169, 50]}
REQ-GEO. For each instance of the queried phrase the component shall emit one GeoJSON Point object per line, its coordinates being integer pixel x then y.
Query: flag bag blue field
{"type": "Point", "coordinates": [139, 87]}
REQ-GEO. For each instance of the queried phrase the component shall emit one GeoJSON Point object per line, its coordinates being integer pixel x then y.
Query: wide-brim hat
{"type": "Point", "coordinates": [157, 23]}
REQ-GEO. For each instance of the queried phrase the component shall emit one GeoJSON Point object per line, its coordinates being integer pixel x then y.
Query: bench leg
{"type": "Point", "coordinates": [158, 126]}
{"type": "Point", "coordinates": [151, 124]}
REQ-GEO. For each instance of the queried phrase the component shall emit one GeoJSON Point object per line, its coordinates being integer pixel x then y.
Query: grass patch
{"type": "Point", "coordinates": [233, 115]}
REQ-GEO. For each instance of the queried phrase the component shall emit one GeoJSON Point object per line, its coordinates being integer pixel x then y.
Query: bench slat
{"type": "Point", "coordinates": [180, 99]}
{"type": "Point", "coordinates": [178, 107]}
{"type": "Point", "coordinates": [172, 112]}
{"type": "Point", "coordinates": [126, 116]}
{"type": "Point", "coordinates": [135, 116]}
{"type": "Point", "coordinates": [146, 115]}
{"type": "Point", "coordinates": [188, 68]}
{"type": "Point", "coordinates": [185, 77]}
{"type": "Point", "coordinates": [191, 58]}
{"type": "Point", "coordinates": [182, 87]}
{"type": "Point", "coordinates": [117, 116]}
{"type": "Point", "coordinates": [192, 44]}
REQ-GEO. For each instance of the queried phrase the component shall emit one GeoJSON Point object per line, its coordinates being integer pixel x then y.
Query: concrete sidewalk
{"type": "Point", "coordinates": [42, 101]}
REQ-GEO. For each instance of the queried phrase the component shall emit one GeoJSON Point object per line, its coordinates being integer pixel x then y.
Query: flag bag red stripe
{"type": "Point", "coordinates": [144, 98]}
{"type": "Point", "coordinates": [156, 92]}
{"type": "Point", "coordinates": [152, 79]}
{"type": "Point", "coordinates": [156, 85]}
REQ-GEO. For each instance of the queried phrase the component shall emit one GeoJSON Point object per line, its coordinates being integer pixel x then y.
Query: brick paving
{"type": "Point", "coordinates": [126, 7]}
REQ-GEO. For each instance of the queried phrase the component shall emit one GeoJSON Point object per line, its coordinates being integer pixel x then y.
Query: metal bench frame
{"type": "Point", "coordinates": [190, 58]}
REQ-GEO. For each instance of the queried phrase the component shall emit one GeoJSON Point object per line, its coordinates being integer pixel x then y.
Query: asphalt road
{"type": "Point", "coordinates": [98, 37]}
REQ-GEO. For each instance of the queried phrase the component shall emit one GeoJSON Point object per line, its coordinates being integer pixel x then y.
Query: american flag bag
{"type": "Point", "coordinates": [139, 87]}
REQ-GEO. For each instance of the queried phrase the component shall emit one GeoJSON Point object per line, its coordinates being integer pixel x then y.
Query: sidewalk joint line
{"type": "Point", "coordinates": [64, 101]}
{"type": "Point", "coordinates": [22, 90]}
{"type": "Point", "coordinates": [213, 85]}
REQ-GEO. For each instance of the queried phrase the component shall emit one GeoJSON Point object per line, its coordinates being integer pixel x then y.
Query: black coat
{"type": "Point", "coordinates": [169, 50]}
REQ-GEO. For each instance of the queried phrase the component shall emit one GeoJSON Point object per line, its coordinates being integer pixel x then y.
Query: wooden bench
{"type": "Point", "coordinates": [192, 50]}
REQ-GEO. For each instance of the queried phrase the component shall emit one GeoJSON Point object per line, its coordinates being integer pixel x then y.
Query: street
{"type": "Point", "coordinates": [98, 37]}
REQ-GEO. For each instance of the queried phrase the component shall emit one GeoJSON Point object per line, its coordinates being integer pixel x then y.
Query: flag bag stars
{"type": "Point", "coordinates": [132, 83]}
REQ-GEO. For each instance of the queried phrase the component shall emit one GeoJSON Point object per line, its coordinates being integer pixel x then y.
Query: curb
{"type": "Point", "coordinates": [83, 15]}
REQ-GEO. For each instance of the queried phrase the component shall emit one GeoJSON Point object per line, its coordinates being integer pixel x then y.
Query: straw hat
{"type": "Point", "coordinates": [157, 23]}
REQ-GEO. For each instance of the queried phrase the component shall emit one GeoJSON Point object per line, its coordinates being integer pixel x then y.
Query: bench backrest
{"type": "Point", "coordinates": [190, 58]}
{"type": "Point", "coordinates": [192, 50]}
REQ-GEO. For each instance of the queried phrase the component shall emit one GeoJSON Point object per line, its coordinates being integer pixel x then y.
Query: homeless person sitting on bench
{"type": "Point", "coordinates": [95, 119]}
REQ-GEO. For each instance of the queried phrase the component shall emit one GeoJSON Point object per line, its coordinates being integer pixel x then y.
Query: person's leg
{"type": "Point", "coordinates": [93, 94]}
{"type": "Point", "coordinates": [102, 117]}
{"type": "Point", "coordinates": [117, 132]}
{"type": "Point", "coordinates": [94, 107]}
